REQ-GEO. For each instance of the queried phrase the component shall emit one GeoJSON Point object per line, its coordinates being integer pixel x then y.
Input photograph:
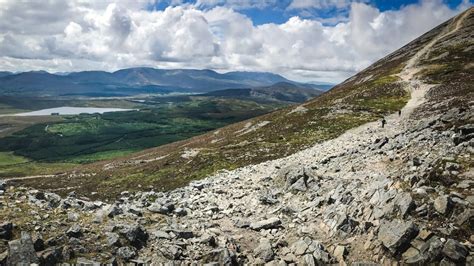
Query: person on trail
{"type": "Point", "coordinates": [399, 112]}
{"type": "Point", "coordinates": [383, 122]}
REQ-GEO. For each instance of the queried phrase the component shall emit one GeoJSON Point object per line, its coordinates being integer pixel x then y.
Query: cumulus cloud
{"type": "Point", "coordinates": [111, 34]}
{"type": "Point", "coordinates": [319, 4]}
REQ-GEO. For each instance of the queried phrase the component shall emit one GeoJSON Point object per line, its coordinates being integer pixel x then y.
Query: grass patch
{"type": "Point", "coordinates": [8, 158]}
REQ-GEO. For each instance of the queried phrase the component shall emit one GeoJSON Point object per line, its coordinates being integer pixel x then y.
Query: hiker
{"type": "Point", "coordinates": [383, 122]}
{"type": "Point", "coordinates": [399, 112]}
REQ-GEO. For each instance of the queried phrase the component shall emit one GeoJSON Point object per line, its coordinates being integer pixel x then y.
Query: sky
{"type": "Point", "coordinates": [303, 40]}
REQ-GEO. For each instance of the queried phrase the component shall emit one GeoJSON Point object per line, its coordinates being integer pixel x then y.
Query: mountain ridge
{"type": "Point", "coordinates": [126, 80]}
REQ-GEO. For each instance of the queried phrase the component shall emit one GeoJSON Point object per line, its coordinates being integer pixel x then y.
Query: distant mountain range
{"type": "Point", "coordinates": [133, 81]}
{"type": "Point", "coordinates": [281, 91]}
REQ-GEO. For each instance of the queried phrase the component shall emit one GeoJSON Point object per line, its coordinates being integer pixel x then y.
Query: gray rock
{"type": "Point", "coordinates": [162, 209]}
{"type": "Point", "coordinates": [293, 173]}
{"type": "Point", "coordinates": [308, 260]}
{"type": "Point", "coordinates": [161, 234]}
{"type": "Point", "coordinates": [3, 257]}
{"type": "Point", "coordinates": [264, 250]}
{"type": "Point", "coordinates": [396, 235]}
{"type": "Point", "coordinates": [50, 256]}
{"type": "Point", "coordinates": [72, 217]}
{"type": "Point", "coordinates": [240, 223]}
{"type": "Point", "coordinates": [455, 250]}
{"type": "Point", "coordinates": [86, 262]}
{"type": "Point", "coordinates": [135, 234]}
{"type": "Point", "coordinates": [273, 222]}
{"type": "Point", "coordinates": [208, 240]}
{"type": "Point", "coordinates": [299, 247]}
{"type": "Point", "coordinates": [267, 199]}
{"type": "Point", "coordinates": [126, 253]}
{"type": "Point", "coordinates": [442, 204]}
{"type": "Point", "coordinates": [181, 234]}
{"type": "Point", "coordinates": [172, 252]}
{"type": "Point", "coordinates": [321, 256]}
{"type": "Point", "coordinates": [466, 217]}
{"type": "Point", "coordinates": [22, 251]}
{"type": "Point", "coordinates": [220, 256]}
{"type": "Point", "coordinates": [114, 210]}
{"type": "Point", "coordinates": [74, 231]}
{"type": "Point", "coordinates": [404, 203]}
{"type": "Point", "coordinates": [340, 253]}
{"type": "Point", "coordinates": [113, 239]}
{"type": "Point", "coordinates": [299, 185]}
{"type": "Point", "coordinates": [429, 252]}
{"type": "Point", "coordinates": [6, 230]}
{"type": "Point", "coordinates": [180, 212]}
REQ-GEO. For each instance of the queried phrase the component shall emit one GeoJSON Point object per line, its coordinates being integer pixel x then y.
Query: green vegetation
{"type": "Point", "coordinates": [88, 138]}
{"type": "Point", "coordinates": [8, 158]}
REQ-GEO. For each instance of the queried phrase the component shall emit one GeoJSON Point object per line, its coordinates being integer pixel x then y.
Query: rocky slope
{"type": "Point", "coordinates": [401, 193]}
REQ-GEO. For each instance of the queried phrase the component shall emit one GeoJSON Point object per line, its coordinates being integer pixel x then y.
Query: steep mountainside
{"type": "Point", "coordinates": [350, 191]}
{"type": "Point", "coordinates": [282, 91]}
{"type": "Point", "coordinates": [129, 82]}
{"type": "Point", "coordinates": [377, 91]}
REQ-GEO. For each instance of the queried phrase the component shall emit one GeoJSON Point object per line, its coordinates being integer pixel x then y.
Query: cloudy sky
{"type": "Point", "coordinates": [305, 40]}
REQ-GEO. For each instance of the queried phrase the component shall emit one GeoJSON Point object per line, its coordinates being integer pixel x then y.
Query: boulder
{"type": "Point", "coordinates": [404, 203]}
{"type": "Point", "coordinates": [299, 247]}
{"type": "Point", "coordinates": [39, 244]}
{"type": "Point", "coordinates": [466, 218]}
{"type": "Point", "coordinates": [180, 212]}
{"type": "Point", "coordinates": [50, 256]}
{"type": "Point", "coordinates": [126, 253]}
{"type": "Point", "coordinates": [112, 239]}
{"type": "Point", "coordinates": [293, 173]}
{"type": "Point", "coordinates": [264, 250]}
{"type": "Point", "coordinates": [161, 234]}
{"type": "Point", "coordinates": [299, 185]}
{"type": "Point", "coordinates": [181, 234]}
{"type": "Point", "coordinates": [455, 250]}
{"type": "Point", "coordinates": [308, 260]}
{"type": "Point", "coordinates": [6, 230]}
{"type": "Point", "coordinates": [442, 204]}
{"type": "Point", "coordinates": [114, 210]}
{"type": "Point", "coordinates": [221, 256]}
{"type": "Point", "coordinates": [397, 234]}
{"type": "Point", "coordinates": [273, 222]}
{"type": "Point", "coordinates": [171, 252]}
{"type": "Point", "coordinates": [429, 252]}
{"type": "Point", "coordinates": [74, 231]}
{"type": "Point", "coordinates": [162, 209]}
{"type": "Point", "coordinates": [22, 251]}
{"type": "Point", "coordinates": [135, 234]}
{"type": "Point", "coordinates": [340, 253]}
{"type": "Point", "coordinates": [72, 217]}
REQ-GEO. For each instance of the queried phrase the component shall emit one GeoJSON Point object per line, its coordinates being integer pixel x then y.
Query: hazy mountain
{"type": "Point", "coordinates": [5, 73]}
{"type": "Point", "coordinates": [282, 91]}
{"type": "Point", "coordinates": [130, 81]}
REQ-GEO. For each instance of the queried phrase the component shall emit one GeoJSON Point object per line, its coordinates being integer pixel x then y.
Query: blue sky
{"type": "Point", "coordinates": [303, 40]}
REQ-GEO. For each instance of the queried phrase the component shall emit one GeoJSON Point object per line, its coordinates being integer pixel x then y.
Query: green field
{"type": "Point", "coordinates": [87, 138]}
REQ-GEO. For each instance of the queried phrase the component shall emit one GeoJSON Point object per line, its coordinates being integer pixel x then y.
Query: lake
{"type": "Point", "coordinates": [70, 111]}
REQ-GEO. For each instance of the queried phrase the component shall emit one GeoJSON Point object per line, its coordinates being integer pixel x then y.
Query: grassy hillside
{"type": "Point", "coordinates": [367, 96]}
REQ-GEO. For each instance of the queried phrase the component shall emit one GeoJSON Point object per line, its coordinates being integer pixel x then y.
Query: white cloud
{"type": "Point", "coordinates": [112, 34]}
{"type": "Point", "coordinates": [319, 4]}
{"type": "Point", "coordinates": [236, 4]}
